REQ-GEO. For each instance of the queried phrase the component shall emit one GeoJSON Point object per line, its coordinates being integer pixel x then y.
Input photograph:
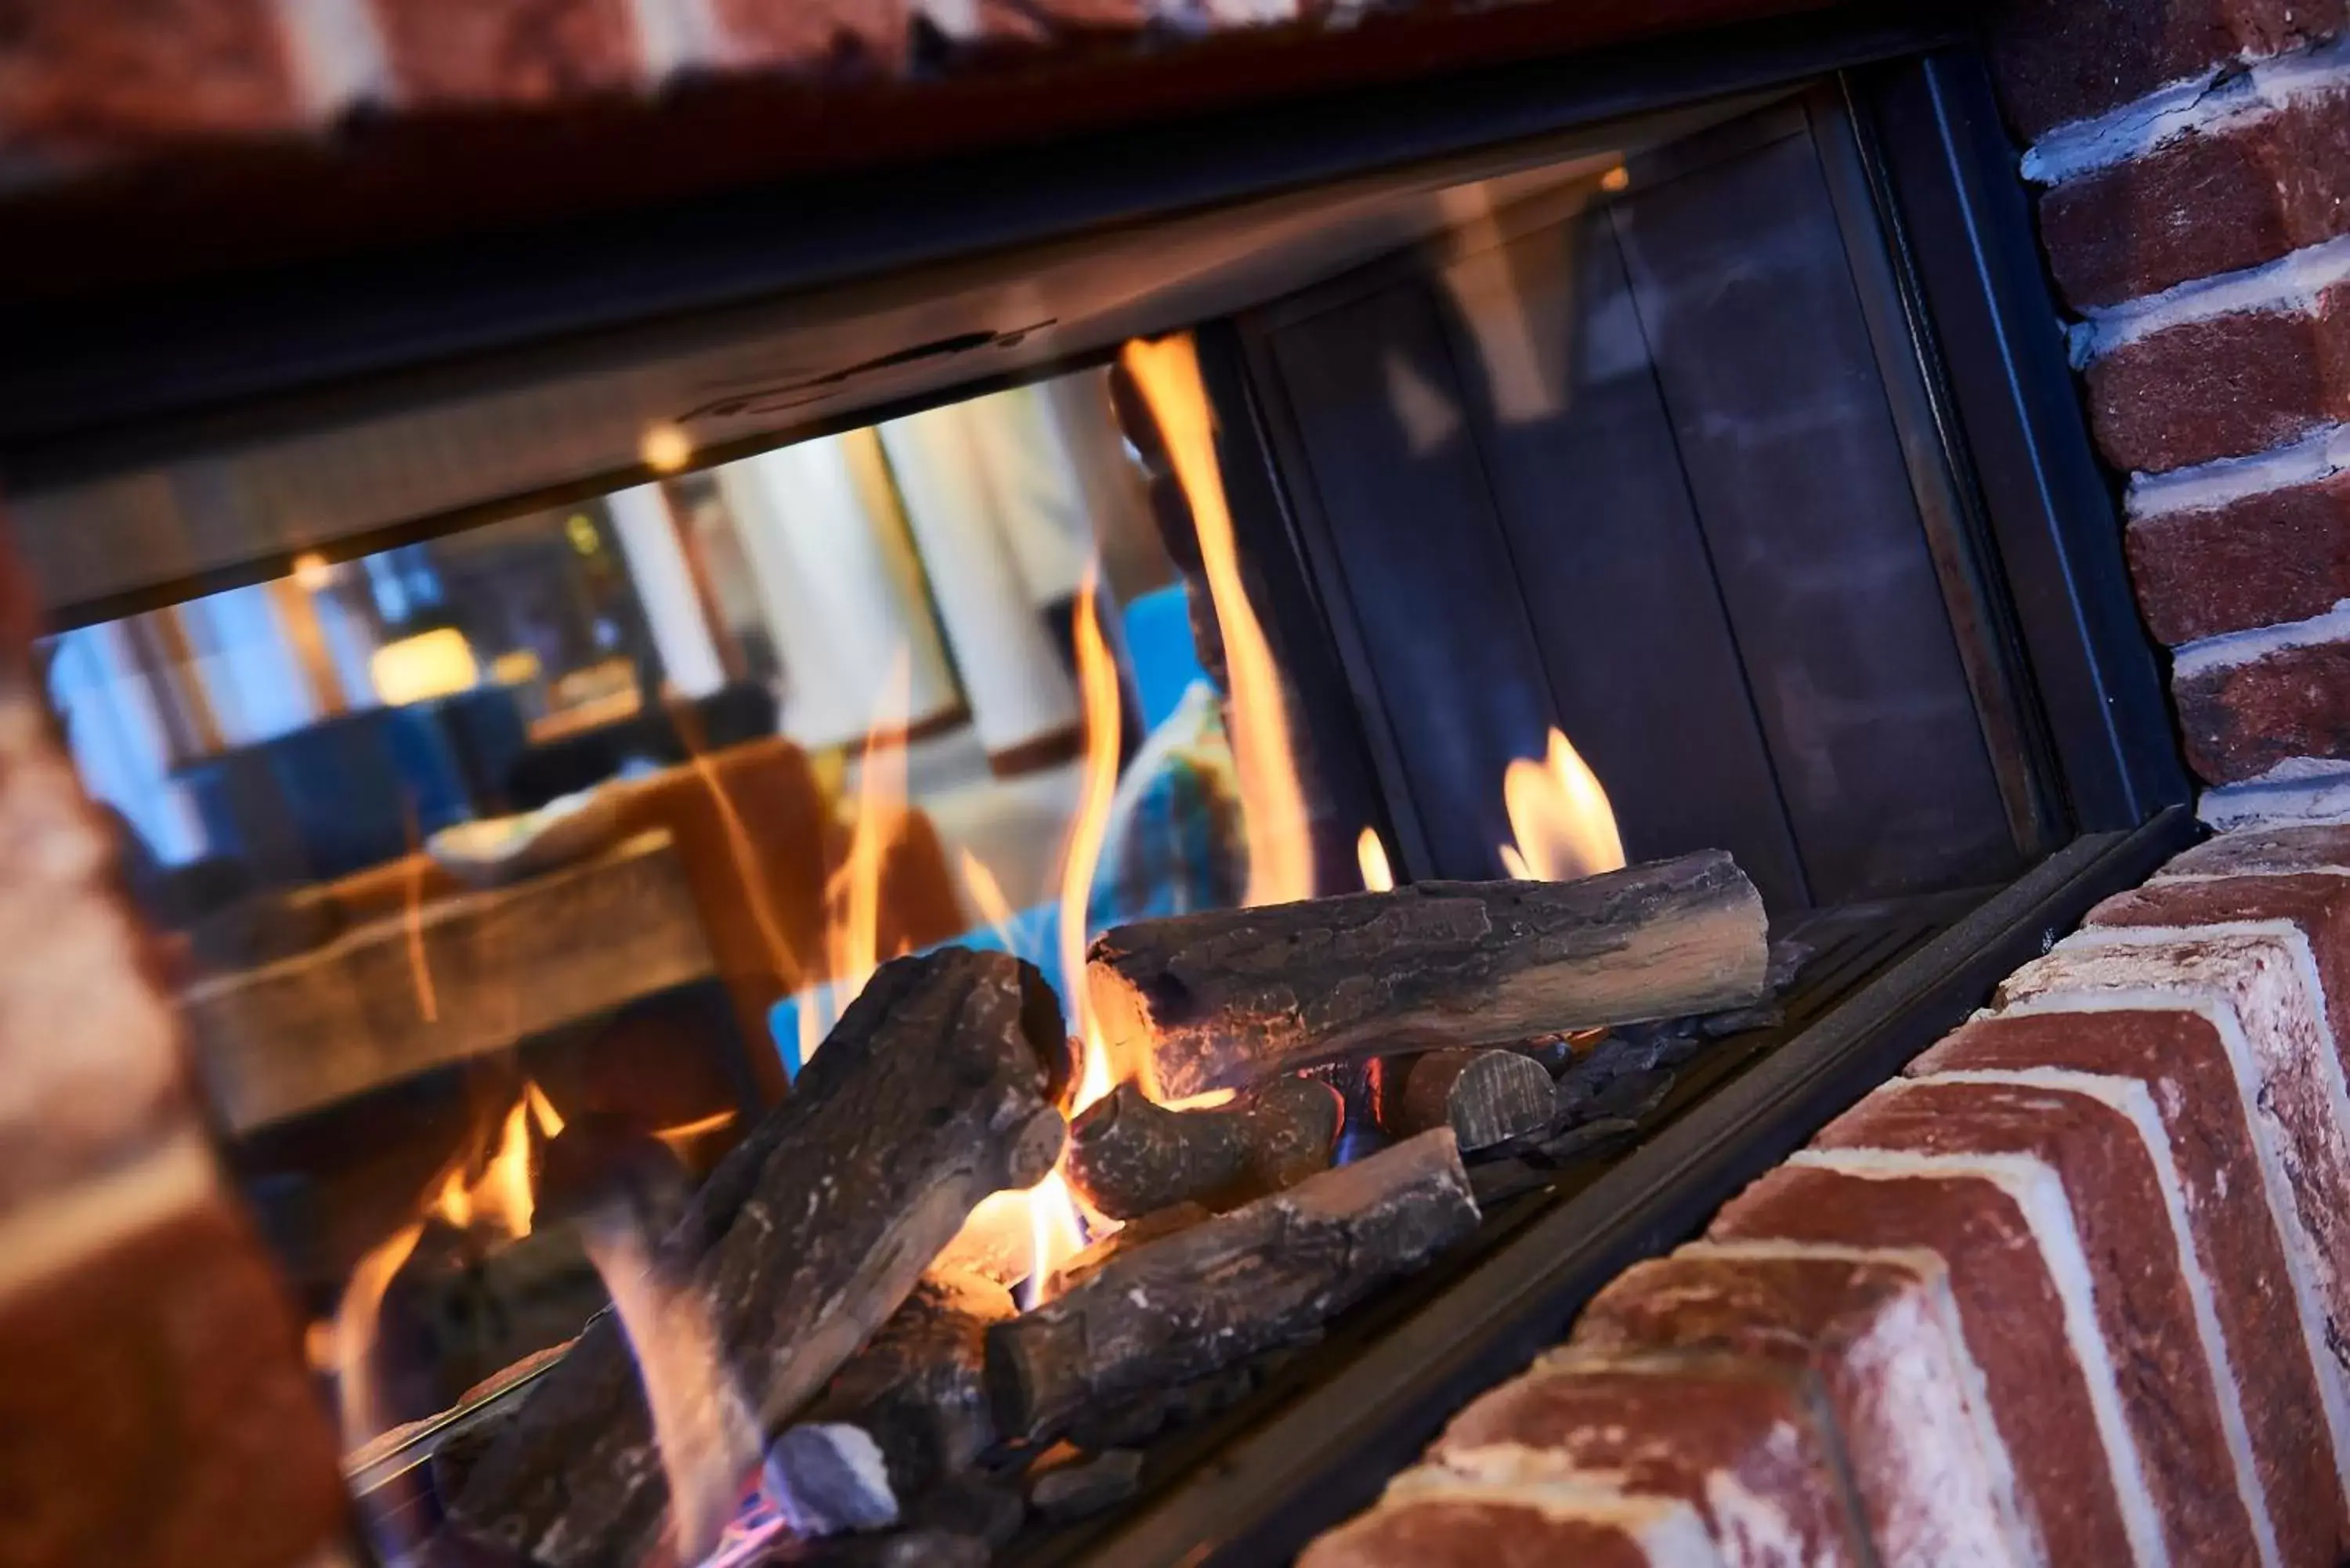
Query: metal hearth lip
{"type": "Point", "coordinates": [1262, 1497]}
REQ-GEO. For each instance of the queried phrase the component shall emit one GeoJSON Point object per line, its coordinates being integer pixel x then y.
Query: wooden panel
{"type": "Point", "coordinates": [475, 973]}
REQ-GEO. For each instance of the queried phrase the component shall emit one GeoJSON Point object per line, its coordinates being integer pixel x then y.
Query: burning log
{"type": "Point", "coordinates": [1206, 1296]}
{"type": "Point", "coordinates": [915, 1398]}
{"type": "Point", "coordinates": [1129, 1155]}
{"type": "Point", "coordinates": [1229, 998]}
{"type": "Point", "coordinates": [1486, 1097]}
{"type": "Point", "coordinates": [930, 1095]}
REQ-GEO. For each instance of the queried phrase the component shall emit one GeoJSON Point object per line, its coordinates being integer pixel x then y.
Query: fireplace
{"type": "Point", "coordinates": [1681, 423]}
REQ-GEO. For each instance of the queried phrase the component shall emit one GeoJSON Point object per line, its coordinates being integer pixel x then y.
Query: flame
{"type": "Point", "coordinates": [1560, 816]}
{"type": "Point", "coordinates": [1056, 1232]}
{"type": "Point", "coordinates": [702, 1424]}
{"type": "Point", "coordinates": [852, 894]}
{"type": "Point", "coordinates": [1280, 849]}
{"type": "Point", "coordinates": [987, 894]}
{"type": "Point", "coordinates": [502, 1197]}
{"type": "Point", "coordinates": [352, 1337]}
{"type": "Point", "coordinates": [542, 1110]}
{"type": "Point", "coordinates": [682, 1138]}
{"type": "Point", "coordinates": [1097, 684]}
{"type": "Point", "coordinates": [1372, 857]}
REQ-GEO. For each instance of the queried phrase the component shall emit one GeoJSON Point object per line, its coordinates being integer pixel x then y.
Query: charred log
{"type": "Point", "coordinates": [930, 1095]}
{"type": "Point", "coordinates": [1232, 998]}
{"type": "Point", "coordinates": [1129, 1155]}
{"type": "Point", "coordinates": [1486, 1097]}
{"type": "Point", "coordinates": [1215, 1293]}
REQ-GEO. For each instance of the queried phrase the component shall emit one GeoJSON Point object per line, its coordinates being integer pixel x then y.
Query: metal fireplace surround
{"type": "Point", "coordinates": [1619, 567]}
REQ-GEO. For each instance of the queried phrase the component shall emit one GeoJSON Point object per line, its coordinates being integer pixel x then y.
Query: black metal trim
{"type": "Point", "coordinates": [1327, 1454]}
{"type": "Point", "coordinates": [1962, 224]}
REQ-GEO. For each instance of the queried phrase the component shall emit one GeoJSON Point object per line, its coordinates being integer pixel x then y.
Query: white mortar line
{"type": "Point", "coordinates": [2207, 104]}
{"type": "Point", "coordinates": [2129, 1097]}
{"type": "Point", "coordinates": [2296, 792]}
{"type": "Point", "coordinates": [2289, 284]}
{"type": "Point", "coordinates": [2233, 648]}
{"type": "Point", "coordinates": [2320, 455]}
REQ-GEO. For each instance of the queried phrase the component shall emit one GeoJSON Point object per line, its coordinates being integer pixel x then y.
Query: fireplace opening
{"type": "Point", "coordinates": [1041, 899]}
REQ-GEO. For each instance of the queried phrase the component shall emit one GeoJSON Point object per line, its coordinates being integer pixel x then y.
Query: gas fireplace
{"type": "Point", "coordinates": [1018, 862]}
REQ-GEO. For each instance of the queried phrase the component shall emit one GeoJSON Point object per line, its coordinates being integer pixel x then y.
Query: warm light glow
{"type": "Point", "coordinates": [666, 447]}
{"type": "Point", "coordinates": [682, 1138]}
{"type": "Point", "coordinates": [702, 1424]}
{"type": "Point", "coordinates": [420, 968]}
{"type": "Point", "coordinates": [1056, 1233]}
{"type": "Point", "coordinates": [542, 1111]}
{"type": "Point", "coordinates": [852, 894]}
{"type": "Point", "coordinates": [1560, 816]}
{"type": "Point", "coordinates": [1616, 179]}
{"type": "Point", "coordinates": [312, 572]}
{"type": "Point", "coordinates": [1205, 1100]}
{"type": "Point", "coordinates": [1280, 851]}
{"type": "Point", "coordinates": [502, 1197]}
{"type": "Point", "coordinates": [354, 1332]}
{"type": "Point", "coordinates": [1081, 854]}
{"type": "Point", "coordinates": [1372, 857]}
{"type": "Point", "coordinates": [986, 895]}
{"type": "Point", "coordinates": [418, 669]}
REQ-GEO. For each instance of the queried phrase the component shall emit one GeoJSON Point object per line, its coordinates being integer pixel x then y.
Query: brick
{"type": "Point", "coordinates": [2296, 1401]}
{"type": "Point", "coordinates": [89, 1070]}
{"type": "Point", "coordinates": [2279, 555]}
{"type": "Point", "coordinates": [2223, 387]}
{"type": "Point", "coordinates": [2206, 204]}
{"type": "Point", "coordinates": [2315, 904]}
{"type": "Point", "coordinates": [1432, 1517]}
{"type": "Point", "coordinates": [1878, 1334]}
{"type": "Point", "coordinates": [1739, 1442]}
{"type": "Point", "coordinates": [96, 72]}
{"type": "Point", "coordinates": [2264, 852]}
{"type": "Point", "coordinates": [2103, 1143]}
{"type": "Point", "coordinates": [2062, 60]}
{"type": "Point", "coordinates": [2082, 1487]}
{"type": "Point", "coordinates": [507, 51]}
{"type": "Point", "coordinates": [153, 1409]}
{"type": "Point", "coordinates": [2242, 720]}
{"type": "Point", "coordinates": [814, 38]}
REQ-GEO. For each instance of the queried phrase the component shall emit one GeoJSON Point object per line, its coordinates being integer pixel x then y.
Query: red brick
{"type": "Point", "coordinates": [508, 51]}
{"type": "Point", "coordinates": [2264, 852]}
{"type": "Point", "coordinates": [110, 71]}
{"type": "Point", "coordinates": [2203, 204]}
{"type": "Point", "coordinates": [2242, 720]}
{"type": "Point", "coordinates": [153, 1410]}
{"type": "Point", "coordinates": [815, 37]}
{"type": "Point", "coordinates": [2276, 1355]}
{"type": "Point", "coordinates": [2280, 555]}
{"type": "Point", "coordinates": [2316, 903]}
{"type": "Point", "coordinates": [2224, 386]}
{"type": "Point", "coordinates": [2060, 60]}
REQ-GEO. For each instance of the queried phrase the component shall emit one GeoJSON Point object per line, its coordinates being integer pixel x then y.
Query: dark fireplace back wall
{"type": "Point", "coordinates": [1675, 472]}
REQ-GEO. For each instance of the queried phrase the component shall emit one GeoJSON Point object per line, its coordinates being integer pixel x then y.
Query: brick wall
{"type": "Point", "coordinates": [154, 1406]}
{"type": "Point", "coordinates": [2194, 156]}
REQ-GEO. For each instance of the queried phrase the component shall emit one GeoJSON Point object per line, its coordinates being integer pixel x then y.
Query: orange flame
{"type": "Point", "coordinates": [987, 894]}
{"type": "Point", "coordinates": [1081, 856]}
{"type": "Point", "coordinates": [542, 1110]}
{"type": "Point", "coordinates": [852, 894]}
{"type": "Point", "coordinates": [682, 1138]}
{"type": "Point", "coordinates": [1280, 851]}
{"type": "Point", "coordinates": [352, 1337]}
{"type": "Point", "coordinates": [1372, 857]}
{"type": "Point", "coordinates": [1560, 816]}
{"type": "Point", "coordinates": [702, 1424]}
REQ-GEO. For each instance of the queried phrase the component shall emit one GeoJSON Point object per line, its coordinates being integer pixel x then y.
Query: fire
{"type": "Point", "coordinates": [852, 894]}
{"type": "Point", "coordinates": [682, 1138]}
{"type": "Point", "coordinates": [1097, 684]}
{"type": "Point", "coordinates": [1560, 816]}
{"type": "Point", "coordinates": [986, 893]}
{"type": "Point", "coordinates": [1280, 850]}
{"type": "Point", "coordinates": [702, 1424]}
{"type": "Point", "coordinates": [351, 1345]}
{"type": "Point", "coordinates": [1372, 857]}
{"type": "Point", "coordinates": [542, 1110]}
